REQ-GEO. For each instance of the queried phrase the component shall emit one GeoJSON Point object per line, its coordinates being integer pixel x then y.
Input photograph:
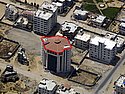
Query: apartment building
{"type": "Point", "coordinates": [45, 18]}
{"type": "Point", "coordinates": [11, 12]}
{"type": "Point", "coordinates": [56, 54]}
{"type": "Point", "coordinates": [82, 40]}
{"type": "Point", "coordinates": [47, 87]}
{"type": "Point", "coordinates": [102, 49]}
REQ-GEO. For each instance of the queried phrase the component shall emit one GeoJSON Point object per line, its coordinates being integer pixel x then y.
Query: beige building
{"type": "Point", "coordinates": [102, 49]}
{"type": "Point", "coordinates": [56, 54]}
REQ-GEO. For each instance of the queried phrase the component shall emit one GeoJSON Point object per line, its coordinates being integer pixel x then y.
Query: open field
{"type": "Point", "coordinates": [2, 10]}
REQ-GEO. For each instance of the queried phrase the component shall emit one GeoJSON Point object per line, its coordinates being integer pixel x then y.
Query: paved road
{"type": "Point", "coordinates": [102, 86]}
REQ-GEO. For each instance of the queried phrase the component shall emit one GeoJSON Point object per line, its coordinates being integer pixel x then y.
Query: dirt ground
{"type": "Point", "coordinates": [2, 10]}
{"type": "Point", "coordinates": [25, 85]}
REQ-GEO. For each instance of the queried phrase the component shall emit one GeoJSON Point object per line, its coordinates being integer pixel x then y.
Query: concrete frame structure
{"type": "Point", "coordinates": [47, 87]}
{"type": "Point", "coordinates": [102, 49]}
{"type": "Point", "coordinates": [45, 18]}
{"type": "Point", "coordinates": [82, 40]}
{"type": "Point", "coordinates": [11, 12]}
{"type": "Point", "coordinates": [56, 54]}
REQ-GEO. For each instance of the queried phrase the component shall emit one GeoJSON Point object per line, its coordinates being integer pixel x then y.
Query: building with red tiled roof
{"type": "Point", "coordinates": [56, 54]}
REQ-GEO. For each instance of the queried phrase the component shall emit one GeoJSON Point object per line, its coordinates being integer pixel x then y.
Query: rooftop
{"type": "Point", "coordinates": [110, 35]}
{"type": "Point", "coordinates": [56, 43]}
{"type": "Point", "coordinates": [48, 6]}
{"type": "Point", "coordinates": [28, 12]}
{"type": "Point", "coordinates": [69, 26]}
{"type": "Point", "coordinates": [47, 84]}
{"type": "Point", "coordinates": [64, 90]}
{"type": "Point", "coordinates": [122, 24]}
{"type": "Point", "coordinates": [22, 20]}
{"type": "Point", "coordinates": [57, 4]}
{"type": "Point", "coordinates": [81, 12]}
{"type": "Point", "coordinates": [84, 37]}
{"type": "Point", "coordinates": [109, 44]}
{"type": "Point", "coordinates": [42, 14]}
{"type": "Point", "coordinates": [121, 81]}
{"type": "Point", "coordinates": [120, 41]}
{"type": "Point", "coordinates": [99, 19]}
{"type": "Point", "coordinates": [12, 8]}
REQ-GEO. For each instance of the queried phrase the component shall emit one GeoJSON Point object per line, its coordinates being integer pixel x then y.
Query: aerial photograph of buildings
{"type": "Point", "coordinates": [62, 46]}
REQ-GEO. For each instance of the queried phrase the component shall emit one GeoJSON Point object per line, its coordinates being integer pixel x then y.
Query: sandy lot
{"type": "Point", "coordinates": [2, 10]}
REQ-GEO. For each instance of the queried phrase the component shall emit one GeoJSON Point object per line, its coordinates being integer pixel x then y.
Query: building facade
{"type": "Point", "coordinates": [56, 54]}
{"type": "Point", "coordinates": [122, 28]}
{"type": "Point", "coordinates": [11, 12]}
{"type": "Point", "coordinates": [102, 49]}
{"type": "Point", "coordinates": [47, 87]}
{"type": "Point", "coordinates": [45, 18]}
{"type": "Point", "coordinates": [82, 40]}
{"type": "Point", "coordinates": [120, 85]}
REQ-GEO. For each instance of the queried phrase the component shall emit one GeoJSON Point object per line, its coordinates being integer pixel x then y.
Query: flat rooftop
{"type": "Point", "coordinates": [69, 26]}
{"type": "Point", "coordinates": [48, 6]}
{"type": "Point", "coordinates": [47, 84]}
{"type": "Point", "coordinates": [109, 44]}
{"type": "Point", "coordinates": [84, 37]}
{"type": "Point", "coordinates": [122, 24]}
{"type": "Point", "coordinates": [12, 8]}
{"type": "Point", "coordinates": [121, 81]}
{"type": "Point", "coordinates": [81, 12]}
{"type": "Point", "coordinates": [56, 43]}
{"type": "Point", "coordinates": [42, 14]}
{"type": "Point", "coordinates": [99, 19]}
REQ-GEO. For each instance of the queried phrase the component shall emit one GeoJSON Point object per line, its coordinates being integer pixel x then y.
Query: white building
{"type": "Point", "coordinates": [11, 12]}
{"type": "Point", "coordinates": [69, 29]}
{"type": "Point", "coordinates": [22, 22]}
{"type": "Point", "coordinates": [60, 6]}
{"type": "Point", "coordinates": [102, 49]}
{"type": "Point", "coordinates": [120, 43]}
{"type": "Point", "coordinates": [65, 90]}
{"type": "Point", "coordinates": [98, 20]}
{"type": "Point", "coordinates": [45, 18]}
{"type": "Point", "coordinates": [80, 14]}
{"type": "Point", "coordinates": [47, 87]}
{"type": "Point", "coordinates": [82, 40]}
{"type": "Point", "coordinates": [122, 28]}
{"type": "Point", "coordinates": [56, 54]}
{"type": "Point", "coordinates": [120, 85]}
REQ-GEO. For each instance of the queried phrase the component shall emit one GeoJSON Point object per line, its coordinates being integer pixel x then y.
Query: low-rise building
{"type": "Point", "coordinates": [65, 90]}
{"type": "Point", "coordinates": [28, 14]}
{"type": "Point", "coordinates": [102, 49]}
{"type": "Point", "coordinates": [122, 28]}
{"type": "Point", "coordinates": [47, 87]}
{"type": "Point", "coordinates": [11, 12]}
{"type": "Point", "coordinates": [69, 29]}
{"type": "Point", "coordinates": [80, 14]}
{"type": "Point", "coordinates": [22, 22]}
{"type": "Point", "coordinates": [82, 40]}
{"type": "Point", "coordinates": [98, 20]}
{"type": "Point", "coordinates": [120, 85]}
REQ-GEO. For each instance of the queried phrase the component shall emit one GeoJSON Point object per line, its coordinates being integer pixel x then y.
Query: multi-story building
{"type": "Point", "coordinates": [56, 54]}
{"type": "Point", "coordinates": [11, 12]}
{"type": "Point", "coordinates": [82, 40]}
{"type": "Point", "coordinates": [120, 85]}
{"type": "Point", "coordinates": [98, 20]}
{"type": "Point", "coordinates": [80, 14]}
{"type": "Point", "coordinates": [102, 49]}
{"type": "Point", "coordinates": [65, 90]}
{"type": "Point", "coordinates": [45, 18]}
{"type": "Point", "coordinates": [47, 87]}
{"type": "Point", "coordinates": [122, 28]}
{"type": "Point", "coordinates": [28, 14]}
{"type": "Point", "coordinates": [69, 29]}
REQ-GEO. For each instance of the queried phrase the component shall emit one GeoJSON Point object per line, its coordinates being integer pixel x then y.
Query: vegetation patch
{"type": "Point", "coordinates": [110, 12]}
{"type": "Point", "coordinates": [99, 1]}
